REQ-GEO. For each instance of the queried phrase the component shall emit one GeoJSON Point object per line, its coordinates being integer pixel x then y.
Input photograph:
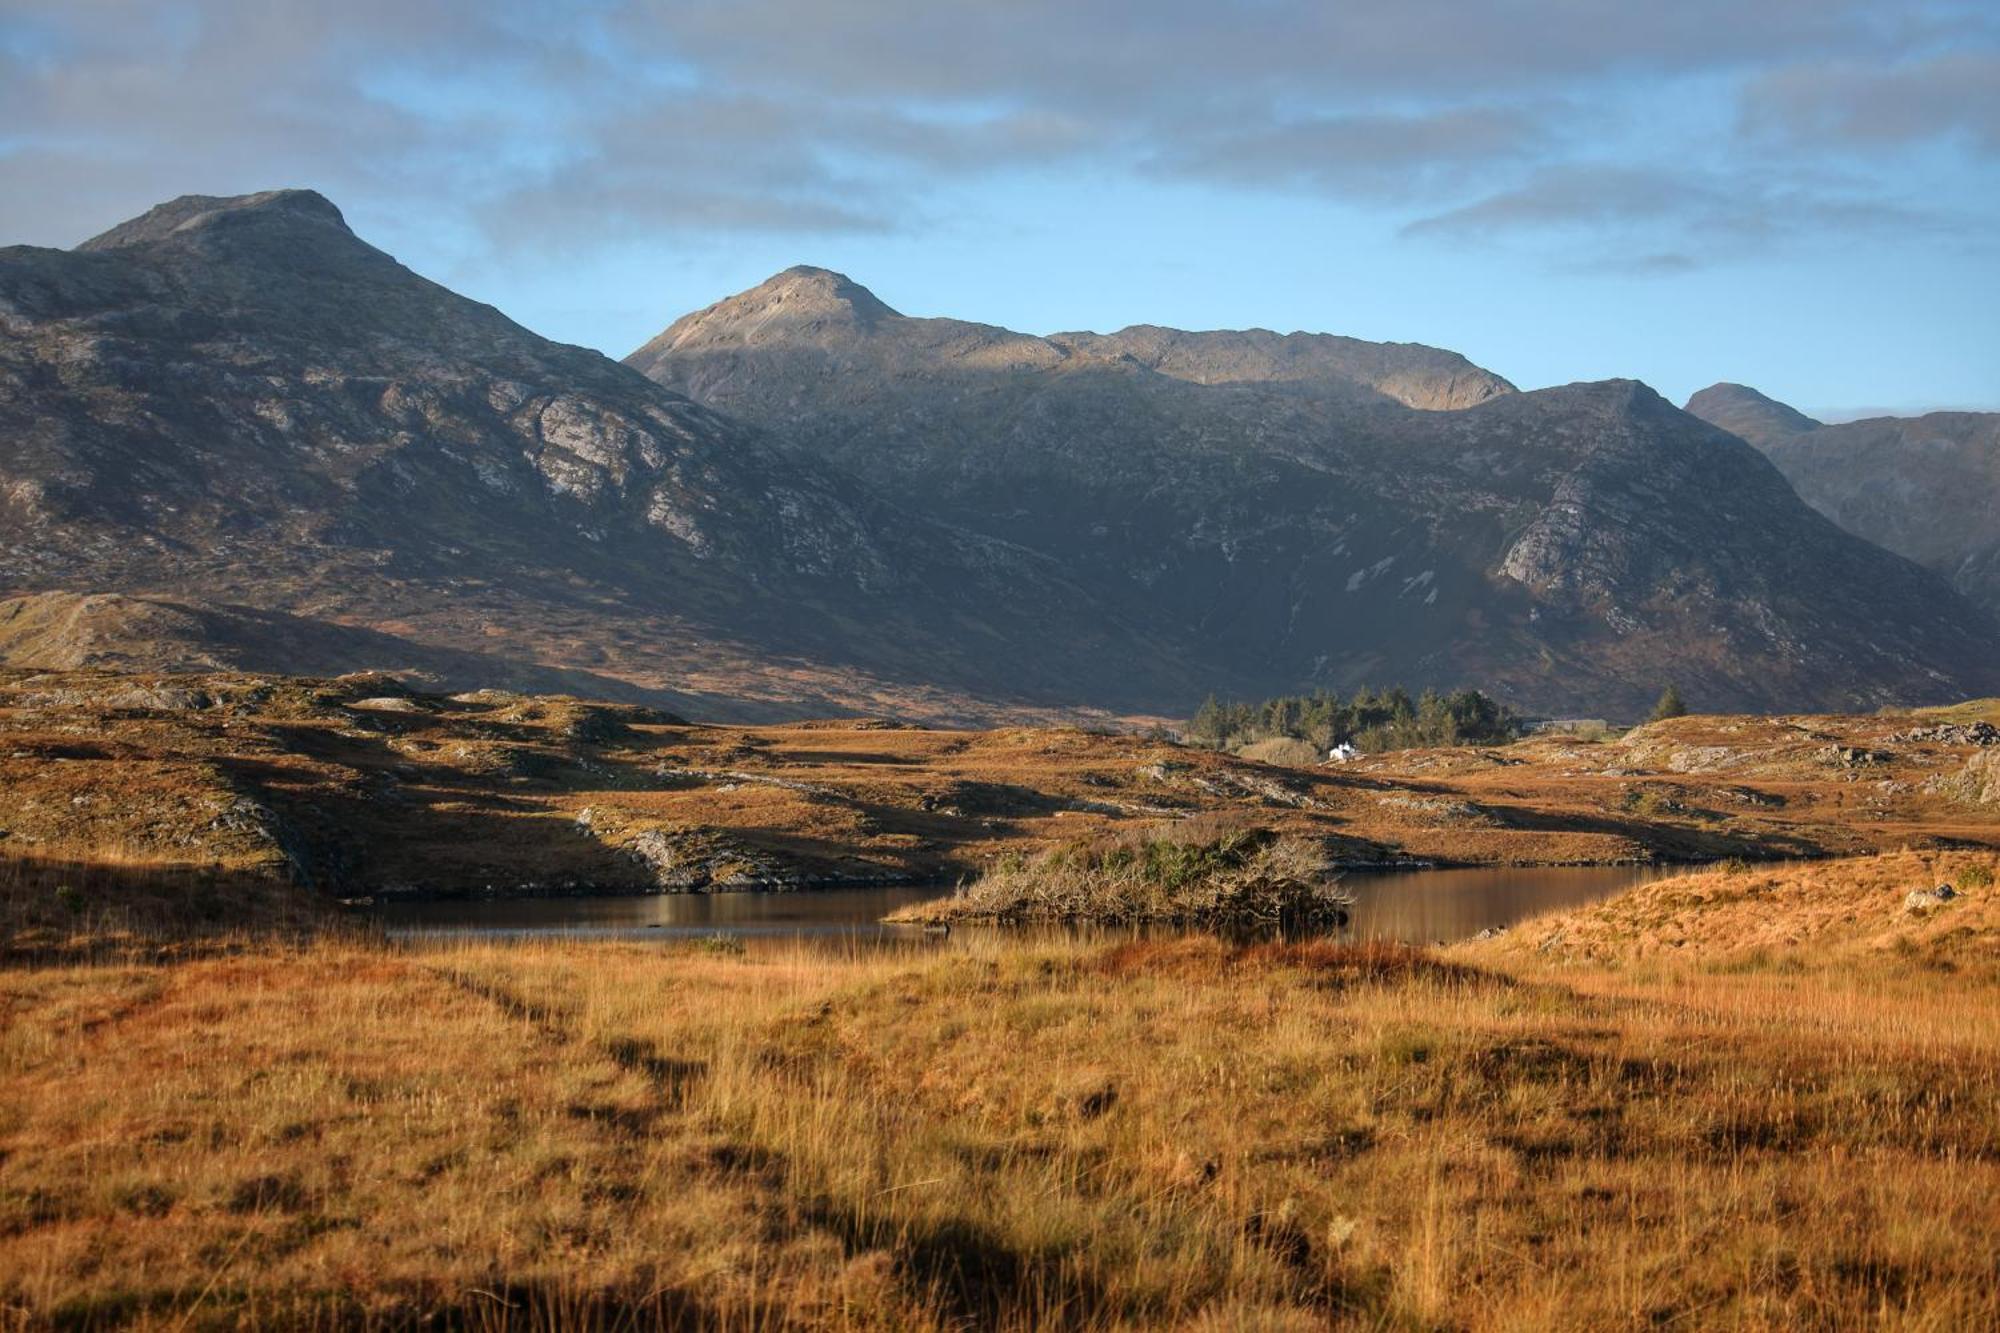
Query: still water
{"type": "Point", "coordinates": [1411, 906]}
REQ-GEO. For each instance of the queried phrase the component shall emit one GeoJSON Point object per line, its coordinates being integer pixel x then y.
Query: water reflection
{"type": "Point", "coordinates": [1444, 906]}
{"type": "Point", "coordinates": [1410, 906]}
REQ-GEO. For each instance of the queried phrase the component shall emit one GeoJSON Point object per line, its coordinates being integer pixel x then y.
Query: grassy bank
{"type": "Point", "coordinates": [111, 905]}
{"type": "Point", "coordinates": [1003, 1134]}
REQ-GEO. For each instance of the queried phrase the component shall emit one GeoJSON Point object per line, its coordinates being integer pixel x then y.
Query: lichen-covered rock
{"type": "Point", "coordinates": [1976, 782]}
{"type": "Point", "coordinates": [1924, 900]}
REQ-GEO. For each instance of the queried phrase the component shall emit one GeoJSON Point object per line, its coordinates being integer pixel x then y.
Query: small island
{"type": "Point", "coordinates": [1200, 873]}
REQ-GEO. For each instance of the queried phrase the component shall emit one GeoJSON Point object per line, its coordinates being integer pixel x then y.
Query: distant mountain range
{"type": "Point", "coordinates": [1305, 509]}
{"type": "Point", "coordinates": [237, 401]}
{"type": "Point", "coordinates": [231, 431]}
{"type": "Point", "coordinates": [1925, 487]}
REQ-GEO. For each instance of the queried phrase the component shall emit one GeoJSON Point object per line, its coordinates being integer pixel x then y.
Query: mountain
{"type": "Point", "coordinates": [1741, 410]}
{"type": "Point", "coordinates": [1410, 373]}
{"type": "Point", "coordinates": [237, 401]}
{"type": "Point", "coordinates": [1925, 487]}
{"type": "Point", "coordinates": [1296, 511]}
{"type": "Point", "coordinates": [281, 449]}
{"type": "Point", "coordinates": [810, 320]}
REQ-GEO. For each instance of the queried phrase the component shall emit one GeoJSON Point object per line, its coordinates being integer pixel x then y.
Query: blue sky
{"type": "Point", "coordinates": [1797, 194]}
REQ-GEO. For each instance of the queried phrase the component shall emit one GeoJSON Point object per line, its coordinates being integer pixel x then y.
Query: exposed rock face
{"type": "Point", "coordinates": [1275, 506]}
{"type": "Point", "coordinates": [1924, 487]}
{"type": "Point", "coordinates": [238, 400]}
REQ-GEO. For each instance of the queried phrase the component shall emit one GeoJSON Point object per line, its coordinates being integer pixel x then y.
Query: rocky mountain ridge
{"type": "Point", "coordinates": [1271, 506]}
{"type": "Point", "coordinates": [238, 401]}
{"type": "Point", "coordinates": [1925, 487]}
{"type": "Point", "coordinates": [245, 421]}
{"type": "Point", "coordinates": [814, 317]}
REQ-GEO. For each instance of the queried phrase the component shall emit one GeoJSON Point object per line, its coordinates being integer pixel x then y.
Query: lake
{"type": "Point", "coordinates": [1409, 906]}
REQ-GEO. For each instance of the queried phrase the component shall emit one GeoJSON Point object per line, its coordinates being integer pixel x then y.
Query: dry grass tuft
{"type": "Point", "coordinates": [114, 903]}
{"type": "Point", "coordinates": [1285, 751]}
{"type": "Point", "coordinates": [1328, 962]}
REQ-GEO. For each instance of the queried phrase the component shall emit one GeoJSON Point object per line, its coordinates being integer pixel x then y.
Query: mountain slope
{"type": "Point", "coordinates": [1741, 410]}
{"type": "Point", "coordinates": [60, 631]}
{"type": "Point", "coordinates": [1283, 516]}
{"type": "Point", "coordinates": [1924, 487]}
{"type": "Point", "coordinates": [238, 400]}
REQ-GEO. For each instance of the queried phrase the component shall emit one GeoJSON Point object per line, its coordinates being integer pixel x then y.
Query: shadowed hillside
{"type": "Point", "coordinates": [1925, 487]}
{"type": "Point", "coordinates": [239, 401]}
{"type": "Point", "coordinates": [1278, 507]}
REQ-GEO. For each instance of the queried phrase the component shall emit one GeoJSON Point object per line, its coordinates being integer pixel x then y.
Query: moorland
{"type": "Point", "coordinates": [1762, 1093]}
{"type": "Point", "coordinates": [1131, 1064]}
{"type": "Point", "coordinates": [1754, 1096]}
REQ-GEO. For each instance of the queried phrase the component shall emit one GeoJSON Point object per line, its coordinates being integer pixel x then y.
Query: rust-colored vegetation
{"type": "Point", "coordinates": [1017, 1132]}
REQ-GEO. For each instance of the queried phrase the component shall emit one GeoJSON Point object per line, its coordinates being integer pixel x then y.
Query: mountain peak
{"type": "Point", "coordinates": [194, 214]}
{"type": "Point", "coordinates": [801, 304]}
{"type": "Point", "coordinates": [803, 294]}
{"type": "Point", "coordinates": [1744, 411]}
{"type": "Point", "coordinates": [805, 286]}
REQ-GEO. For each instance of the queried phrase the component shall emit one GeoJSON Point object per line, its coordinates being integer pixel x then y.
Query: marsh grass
{"type": "Point", "coordinates": [121, 903]}
{"type": "Point", "coordinates": [1193, 873]}
{"type": "Point", "coordinates": [996, 1133]}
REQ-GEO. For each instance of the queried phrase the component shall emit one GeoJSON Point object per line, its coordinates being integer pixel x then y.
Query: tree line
{"type": "Point", "coordinates": [1369, 720]}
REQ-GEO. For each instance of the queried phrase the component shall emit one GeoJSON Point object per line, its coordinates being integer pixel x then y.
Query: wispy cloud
{"type": "Point", "coordinates": [1953, 96]}
{"type": "Point", "coordinates": [1372, 155]}
{"type": "Point", "coordinates": [1669, 220]}
{"type": "Point", "coordinates": [543, 125]}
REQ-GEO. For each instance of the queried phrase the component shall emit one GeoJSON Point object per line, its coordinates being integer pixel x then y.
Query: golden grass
{"type": "Point", "coordinates": [488, 792]}
{"type": "Point", "coordinates": [127, 903]}
{"type": "Point", "coordinates": [1000, 1133]}
{"type": "Point", "coordinates": [1815, 912]}
{"type": "Point", "coordinates": [1286, 751]}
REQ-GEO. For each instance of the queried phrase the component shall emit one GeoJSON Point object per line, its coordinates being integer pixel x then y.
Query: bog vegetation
{"type": "Point", "coordinates": [1558, 1129]}
{"type": "Point", "coordinates": [1369, 720]}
